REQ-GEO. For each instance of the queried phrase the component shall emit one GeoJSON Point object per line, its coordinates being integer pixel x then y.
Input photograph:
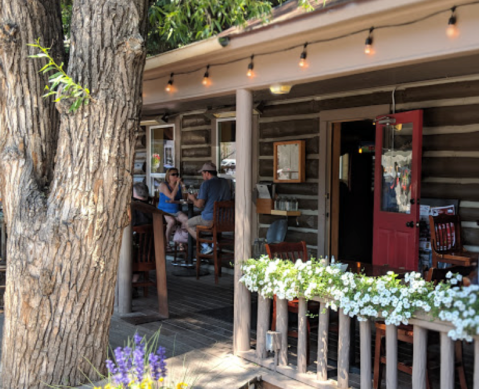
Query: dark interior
{"type": "Point", "coordinates": [357, 193]}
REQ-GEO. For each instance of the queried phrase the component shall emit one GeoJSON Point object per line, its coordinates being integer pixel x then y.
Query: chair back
{"type": "Point", "coordinates": [143, 247]}
{"type": "Point", "coordinates": [435, 275]}
{"type": "Point", "coordinates": [224, 216]}
{"type": "Point", "coordinates": [288, 250]}
{"type": "Point", "coordinates": [445, 233]}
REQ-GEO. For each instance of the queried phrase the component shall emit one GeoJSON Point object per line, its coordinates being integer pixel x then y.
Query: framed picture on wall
{"type": "Point", "coordinates": [289, 161]}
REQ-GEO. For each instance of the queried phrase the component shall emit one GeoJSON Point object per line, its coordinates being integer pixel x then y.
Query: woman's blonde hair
{"type": "Point", "coordinates": [168, 173]}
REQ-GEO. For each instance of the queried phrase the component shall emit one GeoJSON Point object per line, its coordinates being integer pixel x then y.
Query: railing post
{"type": "Point", "coordinates": [282, 327]}
{"type": "Point", "coordinates": [476, 364]}
{"type": "Point", "coordinates": [262, 326]}
{"type": "Point", "coordinates": [365, 353]}
{"type": "Point", "coordinates": [125, 273]}
{"type": "Point", "coordinates": [343, 350]}
{"type": "Point", "coordinates": [447, 361]}
{"type": "Point", "coordinates": [392, 357]}
{"type": "Point", "coordinates": [302, 336]}
{"type": "Point", "coordinates": [323, 328]}
{"type": "Point", "coordinates": [419, 358]}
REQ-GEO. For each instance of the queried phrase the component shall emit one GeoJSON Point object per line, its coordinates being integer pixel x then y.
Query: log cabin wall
{"type": "Point", "coordinates": [450, 164]}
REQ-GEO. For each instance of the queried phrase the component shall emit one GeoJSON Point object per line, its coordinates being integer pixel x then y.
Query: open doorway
{"type": "Point", "coordinates": [352, 190]}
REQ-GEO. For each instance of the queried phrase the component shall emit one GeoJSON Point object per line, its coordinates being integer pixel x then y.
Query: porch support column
{"type": "Point", "coordinates": [243, 225]}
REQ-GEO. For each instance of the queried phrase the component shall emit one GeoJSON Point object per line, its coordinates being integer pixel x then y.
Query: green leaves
{"type": "Point", "coordinates": [62, 85]}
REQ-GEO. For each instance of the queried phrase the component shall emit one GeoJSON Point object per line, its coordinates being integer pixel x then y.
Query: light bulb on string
{"type": "Point", "coordinates": [206, 77]}
{"type": "Point", "coordinates": [169, 86]}
{"type": "Point", "coordinates": [302, 57]}
{"type": "Point", "coordinates": [368, 49]}
{"type": "Point", "coordinates": [452, 30]}
{"type": "Point", "coordinates": [250, 73]}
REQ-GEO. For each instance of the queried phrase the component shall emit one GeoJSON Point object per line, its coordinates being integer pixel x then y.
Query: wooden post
{"type": "Point", "coordinates": [476, 364]}
{"type": "Point", "coordinates": [323, 328]}
{"type": "Point", "coordinates": [447, 361]}
{"type": "Point", "coordinates": [282, 327]}
{"type": "Point", "coordinates": [263, 326]}
{"type": "Point", "coordinates": [392, 356]}
{"type": "Point", "coordinates": [302, 336]}
{"type": "Point", "coordinates": [419, 358]}
{"type": "Point", "coordinates": [365, 358]}
{"type": "Point", "coordinates": [125, 273]}
{"type": "Point", "coordinates": [243, 216]}
{"type": "Point", "coordinates": [160, 259]}
{"type": "Point", "coordinates": [343, 350]}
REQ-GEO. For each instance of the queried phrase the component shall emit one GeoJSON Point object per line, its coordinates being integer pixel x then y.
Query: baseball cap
{"type": "Point", "coordinates": [208, 166]}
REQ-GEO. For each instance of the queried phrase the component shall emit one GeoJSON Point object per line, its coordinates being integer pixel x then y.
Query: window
{"type": "Point", "coordinates": [227, 147]}
{"type": "Point", "coordinates": [161, 153]}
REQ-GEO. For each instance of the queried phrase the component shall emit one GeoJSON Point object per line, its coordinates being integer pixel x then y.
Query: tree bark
{"type": "Point", "coordinates": [66, 184]}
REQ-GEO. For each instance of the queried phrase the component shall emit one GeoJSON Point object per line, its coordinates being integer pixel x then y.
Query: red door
{"type": "Point", "coordinates": [397, 190]}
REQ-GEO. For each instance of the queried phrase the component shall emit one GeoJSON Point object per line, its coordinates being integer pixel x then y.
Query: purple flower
{"type": "Point", "coordinates": [122, 361]}
{"type": "Point", "coordinates": [154, 368]}
{"type": "Point", "coordinates": [162, 362]}
{"type": "Point", "coordinates": [111, 367]}
{"type": "Point", "coordinates": [139, 360]}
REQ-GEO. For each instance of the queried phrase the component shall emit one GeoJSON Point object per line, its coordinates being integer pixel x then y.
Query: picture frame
{"type": "Point", "coordinates": [289, 161]}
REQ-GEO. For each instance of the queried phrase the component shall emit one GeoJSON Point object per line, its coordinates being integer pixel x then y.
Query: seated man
{"type": "Point", "coordinates": [212, 189]}
{"type": "Point", "coordinates": [140, 193]}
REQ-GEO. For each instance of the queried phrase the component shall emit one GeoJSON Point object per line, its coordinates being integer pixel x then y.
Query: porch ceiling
{"type": "Point", "coordinates": [434, 70]}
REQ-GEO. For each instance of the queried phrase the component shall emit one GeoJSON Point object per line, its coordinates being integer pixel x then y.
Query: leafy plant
{"type": "Point", "coordinates": [62, 85]}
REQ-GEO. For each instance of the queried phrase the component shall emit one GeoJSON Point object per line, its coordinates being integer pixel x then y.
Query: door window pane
{"type": "Point", "coordinates": [162, 149]}
{"type": "Point", "coordinates": [396, 161]}
{"type": "Point", "coordinates": [227, 147]}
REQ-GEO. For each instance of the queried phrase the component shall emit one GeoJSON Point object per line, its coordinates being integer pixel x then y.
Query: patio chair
{"type": "Point", "coordinates": [293, 252]}
{"type": "Point", "coordinates": [406, 334]}
{"type": "Point", "coordinates": [143, 255]}
{"type": "Point", "coordinates": [446, 242]}
{"type": "Point", "coordinates": [220, 235]}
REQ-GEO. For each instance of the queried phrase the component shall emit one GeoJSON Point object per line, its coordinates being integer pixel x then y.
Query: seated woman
{"type": "Point", "coordinates": [170, 195]}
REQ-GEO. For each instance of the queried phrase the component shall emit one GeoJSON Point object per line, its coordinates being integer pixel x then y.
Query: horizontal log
{"type": "Point", "coordinates": [303, 221]}
{"type": "Point", "coordinates": [199, 138]}
{"type": "Point", "coordinates": [468, 214]}
{"type": "Point", "coordinates": [356, 101]}
{"type": "Point", "coordinates": [190, 168]}
{"type": "Point", "coordinates": [440, 91]}
{"type": "Point", "coordinates": [470, 236]}
{"type": "Point", "coordinates": [290, 127]}
{"type": "Point", "coordinates": [195, 120]}
{"type": "Point", "coordinates": [297, 189]}
{"type": "Point", "coordinates": [312, 146]}
{"type": "Point", "coordinates": [453, 142]}
{"type": "Point", "coordinates": [312, 168]}
{"type": "Point", "coordinates": [196, 152]}
{"type": "Point", "coordinates": [450, 167]}
{"type": "Point", "coordinates": [450, 191]}
{"type": "Point", "coordinates": [140, 141]}
{"type": "Point", "coordinates": [310, 238]}
{"type": "Point", "coordinates": [458, 115]}
{"type": "Point", "coordinates": [290, 109]}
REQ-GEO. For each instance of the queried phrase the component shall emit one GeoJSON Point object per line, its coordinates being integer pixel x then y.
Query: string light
{"type": "Point", "coordinates": [250, 73]}
{"type": "Point", "coordinates": [451, 30]}
{"type": "Point", "coordinates": [302, 57]}
{"type": "Point", "coordinates": [368, 49]}
{"type": "Point", "coordinates": [206, 77]}
{"type": "Point", "coordinates": [169, 86]}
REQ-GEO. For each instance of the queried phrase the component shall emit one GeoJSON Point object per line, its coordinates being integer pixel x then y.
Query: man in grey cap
{"type": "Point", "coordinates": [212, 189]}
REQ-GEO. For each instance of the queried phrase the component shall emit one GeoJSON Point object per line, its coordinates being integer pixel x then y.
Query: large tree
{"type": "Point", "coordinates": [66, 183]}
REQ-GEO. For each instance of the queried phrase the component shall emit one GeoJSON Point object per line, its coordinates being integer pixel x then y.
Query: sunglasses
{"type": "Point", "coordinates": [174, 174]}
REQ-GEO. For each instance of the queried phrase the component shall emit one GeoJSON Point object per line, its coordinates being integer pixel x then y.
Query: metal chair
{"type": "Point", "coordinates": [446, 242]}
{"type": "Point", "coordinates": [223, 222]}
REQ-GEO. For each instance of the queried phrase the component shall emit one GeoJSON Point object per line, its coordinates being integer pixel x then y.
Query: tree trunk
{"type": "Point", "coordinates": [66, 184]}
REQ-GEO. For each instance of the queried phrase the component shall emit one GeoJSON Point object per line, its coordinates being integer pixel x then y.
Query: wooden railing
{"type": "Point", "coordinates": [421, 323]}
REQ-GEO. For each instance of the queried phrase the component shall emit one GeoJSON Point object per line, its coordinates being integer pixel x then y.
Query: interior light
{"type": "Point", "coordinates": [280, 89]}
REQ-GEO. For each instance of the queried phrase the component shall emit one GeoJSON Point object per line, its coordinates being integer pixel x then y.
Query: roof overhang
{"type": "Point", "coordinates": [395, 47]}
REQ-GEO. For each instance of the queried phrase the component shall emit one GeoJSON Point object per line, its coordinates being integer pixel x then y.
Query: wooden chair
{"type": "Point", "coordinates": [446, 242]}
{"type": "Point", "coordinates": [293, 252]}
{"type": "Point", "coordinates": [143, 254]}
{"type": "Point", "coordinates": [223, 222]}
{"type": "Point", "coordinates": [406, 334]}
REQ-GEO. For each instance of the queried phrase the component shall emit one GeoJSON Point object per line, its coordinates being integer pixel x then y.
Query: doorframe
{"type": "Point", "coordinates": [326, 122]}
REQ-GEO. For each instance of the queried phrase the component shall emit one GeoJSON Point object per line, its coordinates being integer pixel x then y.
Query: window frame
{"type": "Point", "coordinates": [218, 147]}
{"type": "Point", "coordinates": [149, 175]}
